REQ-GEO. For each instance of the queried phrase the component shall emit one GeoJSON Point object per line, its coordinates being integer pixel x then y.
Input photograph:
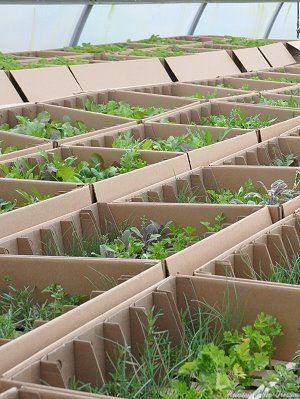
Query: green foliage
{"type": "Point", "coordinates": [208, 96]}
{"type": "Point", "coordinates": [241, 41]}
{"type": "Point", "coordinates": [219, 220]}
{"type": "Point", "coordinates": [156, 39]}
{"type": "Point", "coordinates": [291, 102]}
{"type": "Point", "coordinates": [7, 206]}
{"type": "Point", "coordinates": [7, 150]}
{"type": "Point", "coordinates": [237, 119]}
{"type": "Point", "coordinates": [281, 79]}
{"type": "Point", "coordinates": [97, 48]}
{"type": "Point", "coordinates": [275, 195]}
{"type": "Point", "coordinates": [283, 381]}
{"type": "Point", "coordinates": [218, 370]}
{"type": "Point", "coordinates": [44, 127]}
{"type": "Point", "coordinates": [245, 87]}
{"type": "Point", "coordinates": [282, 159]}
{"type": "Point", "coordinates": [19, 310]}
{"type": "Point", "coordinates": [192, 139]}
{"type": "Point", "coordinates": [162, 52]}
{"type": "Point", "coordinates": [66, 170]}
{"type": "Point", "coordinates": [120, 108]}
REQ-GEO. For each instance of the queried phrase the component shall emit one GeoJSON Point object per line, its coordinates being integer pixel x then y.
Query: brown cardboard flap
{"type": "Point", "coordinates": [251, 59]}
{"type": "Point", "coordinates": [8, 94]}
{"type": "Point", "coordinates": [42, 84]}
{"type": "Point", "coordinates": [277, 55]}
{"type": "Point", "coordinates": [202, 66]}
{"type": "Point", "coordinates": [120, 74]}
{"type": "Point", "coordinates": [295, 44]}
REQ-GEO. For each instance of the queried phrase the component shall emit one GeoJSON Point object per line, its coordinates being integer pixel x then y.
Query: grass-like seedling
{"type": "Point", "coordinates": [151, 241]}
{"type": "Point", "coordinates": [66, 170]}
{"type": "Point", "coordinates": [7, 149]}
{"type": "Point", "coordinates": [97, 48]}
{"type": "Point", "coordinates": [286, 271]}
{"type": "Point", "coordinates": [236, 118]}
{"type": "Point", "coordinates": [19, 310]}
{"type": "Point", "coordinates": [44, 126]}
{"type": "Point", "coordinates": [121, 108]}
{"type": "Point", "coordinates": [29, 198]}
{"type": "Point", "coordinates": [191, 140]}
{"type": "Point", "coordinates": [212, 361]}
{"type": "Point", "coordinates": [290, 103]}
{"type": "Point", "coordinates": [241, 41]}
{"type": "Point", "coordinates": [275, 79]}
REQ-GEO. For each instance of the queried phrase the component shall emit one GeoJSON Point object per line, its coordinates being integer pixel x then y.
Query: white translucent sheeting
{"type": "Point", "coordinates": [114, 23]}
{"type": "Point", "coordinates": [26, 27]}
{"type": "Point", "coordinates": [286, 23]}
{"type": "Point", "coordinates": [237, 19]}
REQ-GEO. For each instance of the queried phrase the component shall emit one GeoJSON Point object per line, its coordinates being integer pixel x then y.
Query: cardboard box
{"type": "Point", "coordinates": [9, 94]}
{"type": "Point", "coordinates": [278, 129]}
{"type": "Point", "coordinates": [18, 351]}
{"type": "Point", "coordinates": [159, 166]}
{"type": "Point", "coordinates": [78, 276]}
{"type": "Point", "coordinates": [287, 78]}
{"type": "Point", "coordinates": [64, 198]}
{"type": "Point", "coordinates": [293, 90]}
{"type": "Point", "coordinates": [120, 74]}
{"type": "Point", "coordinates": [189, 90]}
{"type": "Point", "coordinates": [241, 83]}
{"type": "Point", "coordinates": [132, 98]}
{"type": "Point", "coordinates": [277, 55]}
{"type": "Point", "coordinates": [278, 243]}
{"type": "Point", "coordinates": [41, 84]}
{"type": "Point", "coordinates": [264, 153]}
{"type": "Point", "coordinates": [25, 145]}
{"type": "Point", "coordinates": [198, 181]}
{"type": "Point", "coordinates": [172, 298]}
{"type": "Point", "coordinates": [235, 140]}
{"type": "Point", "coordinates": [94, 122]}
{"type": "Point", "coordinates": [202, 66]}
{"type": "Point", "coordinates": [63, 234]}
{"type": "Point", "coordinates": [250, 59]}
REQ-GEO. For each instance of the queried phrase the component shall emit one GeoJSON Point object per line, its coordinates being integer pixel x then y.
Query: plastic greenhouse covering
{"type": "Point", "coordinates": [44, 26]}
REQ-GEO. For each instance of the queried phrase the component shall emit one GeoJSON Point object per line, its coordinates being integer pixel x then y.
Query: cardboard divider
{"type": "Point", "coordinates": [251, 59]}
{"type": "Point", "coordinates": [9, 94]}
{"type": "Point", "coordinates": [254, 259]}
{"type": "Point", "coordinates": [276, 76]}
{"type": "Point", "coordinates": [234, 140]}
{"type": "Point", "coordinates": [278, 129]}
{"type": "Point", "coordinates": [78, 276]}
{"type": "Point", "coordinates": [196, 184]}
{"type": "Point", "coordinates": [243, 83]}
{"type": "Point", "coordinates": [188, 90]}
{"type": "Point", "coordinates": [94, 122]}
{"type": "Point", "coordinates": [99, 343]}
{"type": "Point", "coordinates": [14, 145]}
{"type": "Point", "coordinates": [158, 165]}
{"type": "Point", "coordinates": [277, 54]}
{"type": "Point", "coordinates": [291, 90]}
{"type": "Point", "coordinates": [202, 66]}
{"type": "Point", "coordinates": [41, 84]}
{"type": "Point", "coordinates": [266, 154]}
{"type": "Point", "coordinates": [63, 198]}
{"type": "Point", "coordinates": [132, 98]}
{"type": "Point", "coordinates": [55, 238]}
{"type": "Point", "coordinates": [120, 74]}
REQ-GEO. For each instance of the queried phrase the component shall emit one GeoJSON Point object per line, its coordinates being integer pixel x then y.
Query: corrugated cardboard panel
{"type": "Point", "coordinates": [8, 94]}
{"type": "Point", "coordinates": [277, 55]}
{"type": "Point", "coordinates": [202, 66]}
{"type": "Point", "coordinates": [251, 59]}
{"type": "Point", "coordinates": [295, 44]}
{"type": "Point", "coordinates": [109, 75]}
{"type": "Point", "coordinates": [41, 84]}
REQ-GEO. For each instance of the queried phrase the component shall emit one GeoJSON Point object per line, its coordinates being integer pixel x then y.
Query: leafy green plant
{"type": "Point", "coordinates": [236, 118]}
{"type": "Point", "coordinates": [245, 87]}
{"type": "Point", "coordinates": [241, 41]}
{"type": "Point", "coordinates": [192, 139]}
{"type": "Point", "coordinates": [123, 109]}
{"type": "Point", "coordinates": [7, 206]}
{"type": "Point", "coordinates": [44, 127]}
{"type": "Point", "coordinates": [281, 79]}
{"type": "Point", "coordinates": [97, 48]}
{"type": "Point", "coordinates": [162, 52]}
{"type": "Point", "coordinates": [219, 220]}
{"type": "Point", "coordinates": [281, 159]}
{"type": "Point", "coordinates": [19, 309]}
{"type": "Point", "coordinates": [208, 96]}
{"type": "Point", "coordinates": [291, 102]}
{"type": "Point", "coordinates": [66, 170]}
{"type": "Point", "coordinates": [33, 196]}
{"type": "Point", "coordinates": [283, 381]}
{"type": "Point", "coordinates": [8, 149]}
{"type": "Point", "coordinates": [156, 39]}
